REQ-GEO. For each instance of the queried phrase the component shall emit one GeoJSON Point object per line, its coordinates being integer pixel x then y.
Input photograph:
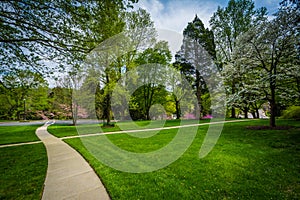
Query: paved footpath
{"type": "Point", "coordinates": [69, 176]}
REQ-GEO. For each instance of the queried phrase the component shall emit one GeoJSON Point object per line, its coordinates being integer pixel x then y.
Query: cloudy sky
{"type": "Point", "coordinates": [175, 14]}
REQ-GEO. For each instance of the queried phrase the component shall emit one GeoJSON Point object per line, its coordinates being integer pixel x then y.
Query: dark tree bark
{"type": "Point", "coordinates": [272, 104]}
{"type": "Point", "coordinates": [178, 112]}
{"type": "Point", "coordinates": [198, 92]}
{"type": "Point", "coordinates": [233, 114]}
{"type": "Point", "coordinates": [257, 113]}
{"type": "Point", "coordinates": [107, 109]}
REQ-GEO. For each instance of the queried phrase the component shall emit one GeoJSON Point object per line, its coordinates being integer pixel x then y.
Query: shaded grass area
{"type": "Point", "coordinates": [245, 164]}
{"type": "Point", "coordinates": [63, 130]}
{"type": "Point", "coordinates": [18, 134]}
{"type": "Point", "coordinates": [4, 120]}
{"type": "Point", "coordinates": [23, 171]}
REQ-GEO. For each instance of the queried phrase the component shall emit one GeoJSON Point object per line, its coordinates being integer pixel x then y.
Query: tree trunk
{"type": "Point", "coordinates": [18, 115]}
{"type": "Point", "coordinates": [273, 111]}
{"type": "Point", "coordinates": [273, 101]}
{"type": "Point", "coordinates": [108, 109]}
{"type": "Point", "coordinates": [73, 107]}
{"type": "Point", "coordinates": [254, 114]}
{"type": "Point", "coordinates": [147, 113]}
{"type": "Point", "coordinates": [257, 113]}
{"type": "Point", "coordinates": [233, 114]}
{"type": "Point", "coordinates": [178, 114]}
{"type": "Point", "coordinates": [198, 92]}
{"type": "Point", "coordinates": [246, 113]}
{"type": "Point", "coordinates": [148, 98]}
{"type": "Point", "coordinates": [108, 103]}
{"type": "Point", "coordinates": [74, 113]}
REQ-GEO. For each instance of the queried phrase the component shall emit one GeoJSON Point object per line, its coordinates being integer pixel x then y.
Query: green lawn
{"type": "Point", "coordinates": [3, 120]}
{"type": "Point", "coordinates": [18, 134]}
{"type": "Point", "coordinates": [23, 168]}
{"type": "Point", "coordinates": [245, 164]}
{"type": "Point", "coordinates": [63, 130]}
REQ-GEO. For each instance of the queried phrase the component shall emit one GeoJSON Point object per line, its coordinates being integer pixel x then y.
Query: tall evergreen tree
{"type": "Point", "coordinates": [198, 47]}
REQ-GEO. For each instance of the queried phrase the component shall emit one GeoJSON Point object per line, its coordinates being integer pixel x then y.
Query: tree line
{"type": "Point", "coordinates": [258, 58]}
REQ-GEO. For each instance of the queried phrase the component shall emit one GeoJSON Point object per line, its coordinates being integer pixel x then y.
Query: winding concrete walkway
{"type": "Point", "coordinates": [69, 176]}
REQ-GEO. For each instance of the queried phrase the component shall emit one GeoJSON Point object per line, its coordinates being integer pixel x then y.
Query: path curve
{"type": "Point", "coordinates": [69, 176]}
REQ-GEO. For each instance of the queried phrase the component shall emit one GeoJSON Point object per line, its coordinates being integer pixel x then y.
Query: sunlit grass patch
{"type": "Point", "coordinates": [18, 134]}
{"type": "Point", "coordinates": [244, 164]}
{"type": "Point", "coordinates": [23, 171]}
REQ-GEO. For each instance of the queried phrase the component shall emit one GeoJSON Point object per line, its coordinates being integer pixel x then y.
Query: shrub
{"type": "Point", "coordinates": [292, 112]}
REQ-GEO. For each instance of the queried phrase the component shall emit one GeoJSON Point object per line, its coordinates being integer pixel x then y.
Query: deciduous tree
{"type": "Point", "coordinates": [271, 49]}
{"type": "Point", "coordinates": [227, 24]}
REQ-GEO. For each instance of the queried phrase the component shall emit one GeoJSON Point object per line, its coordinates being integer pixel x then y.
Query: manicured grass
{"type": "Point", "coordinates": [63, 130]}
{"type": "Point", "coordinates": [4, 120]}
{"type": "Point", "coordinates": [23, 168]}
{"type": "Point", "coordinates": [23, 171]}
{"type": "Point", "coordinates": [18, 134]}
{"type": "Point", "coordinates": [244, 164]}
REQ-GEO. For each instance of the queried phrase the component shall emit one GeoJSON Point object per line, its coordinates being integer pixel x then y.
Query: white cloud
{"type": "Point", "coordinates": [271, 5]}
{"type": "Point", "coordinates": [171, 17]}
{"type": "Point", "coordinates": [270, 2]}
{"type": "Point", "coordinates": [154, 7]}
{"type": "Point", "coordinates": [175, 15]}
{"type": "Point", "coordinates": [173, 37]}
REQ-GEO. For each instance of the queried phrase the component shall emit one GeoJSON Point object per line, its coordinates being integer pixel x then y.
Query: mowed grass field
{"type": "Point", "coordinates": [23, 168]}
{"type": "Point", "coordinates": [18, 134]}
{"type": "Point", "coordinates": [244, 164]}
{"type": "Point", "coordinates": [64, 130]}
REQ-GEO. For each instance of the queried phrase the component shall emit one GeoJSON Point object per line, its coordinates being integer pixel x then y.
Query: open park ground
{"type": "Point", "coordinates": [244, 164]}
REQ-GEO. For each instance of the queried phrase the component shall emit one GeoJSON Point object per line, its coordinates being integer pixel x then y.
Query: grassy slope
{"type": "Point", "coordinates": [18, 134]}
{"type": "Point", "coordinates": [245, 164]}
